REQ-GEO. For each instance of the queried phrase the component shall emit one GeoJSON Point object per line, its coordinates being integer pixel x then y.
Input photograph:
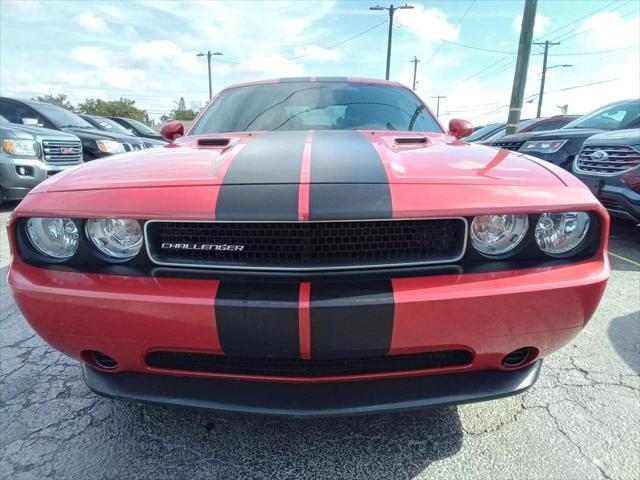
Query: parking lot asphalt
{"type": "Point", "coordinates": [580, 421]}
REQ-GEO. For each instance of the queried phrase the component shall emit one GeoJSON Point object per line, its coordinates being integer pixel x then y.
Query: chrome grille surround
{"type": "Point", "coordinates": [460, 249]}
{"type": "Point", "coordinates": [617, 159]}
{"type": "Point", "coordinates": [54, 151]}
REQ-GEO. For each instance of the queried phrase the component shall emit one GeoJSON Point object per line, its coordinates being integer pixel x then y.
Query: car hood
{"type": "Point", "coordinates": [28, 131]}
{"type": "Point", "coordinates": [619, 137]}
{"type": "Point", "coordinates": [331, 157]}
{"type": "Point", "coordinates": [559, 134]}
{"type": "Point", "coordinates": [95, 134]}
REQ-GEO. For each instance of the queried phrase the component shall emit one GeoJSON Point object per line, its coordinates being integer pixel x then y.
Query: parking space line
{"type": "Point", "coordinates": [628, 260]}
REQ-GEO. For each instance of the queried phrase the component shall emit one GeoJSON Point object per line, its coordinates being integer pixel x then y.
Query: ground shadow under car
{"type": "Point", "coordinates": [624, 333]}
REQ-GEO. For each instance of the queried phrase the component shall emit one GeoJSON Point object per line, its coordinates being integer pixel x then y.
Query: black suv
{"type": "Point", "coordinates": [95, 143]}
{"type": "Point", "coordinates": [107, 125]}
{"type": "Point", "coordinates": [137, 128]}
{"type": "Point", "coordinates": [562, 145]}
{"type": "Point", "coordinates": [609, 164]}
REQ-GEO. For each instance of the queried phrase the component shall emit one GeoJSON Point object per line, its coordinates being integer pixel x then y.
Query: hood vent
{"type": "Point", "coordinates": [213, 142]}
{"type": "Point", "coordinates": [412, 141]}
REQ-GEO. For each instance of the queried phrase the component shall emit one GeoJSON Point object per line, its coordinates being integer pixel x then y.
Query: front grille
{"type": "Point", "coordinates": [306, 245]}
{"type": "Point", "coordinates": [131, 147]}
{"type": "Point", "coordinates": [612, 161]}
{"type": "Point", "coordinates": [514, 146]}
{"type": "Point", "coordinates": [278, 367]}
{"type": "Point", "coordinates": [62, 152]}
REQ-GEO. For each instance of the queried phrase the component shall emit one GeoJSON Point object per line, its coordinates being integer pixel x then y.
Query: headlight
{"type": "Point", "coordinates": [22, 148]}
{"type": "Point", "coordinates": [119, 238]}
{"type": "Point", "coordinates": [558, 234]}
{"type": "Point", "coordinates": [53, 237]}
{"type": "Point", "coordinates": [109, 146]}
{"type": "Point", "coordinates": [494, 235]}
{"type": "Point", "coordinates": [543, 146]}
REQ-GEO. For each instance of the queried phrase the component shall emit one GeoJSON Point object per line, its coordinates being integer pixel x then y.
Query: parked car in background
{"type": "Point", "coordinates": [533, 125]}
{"type": "Point", "coordinates": [137, 128]}
{"type": "Point", "coordinates": [484, 132]}
{"type": "Point", "coordinates": [30, 155]}
{"type": "Point", "coordinates": [609, 164]}
{"type": "Point", "coordinates": [561, 146]}
{"type": "Point", "coordinates": [108, 125]}
{"type": "Point", "coordinates": [95, 143]}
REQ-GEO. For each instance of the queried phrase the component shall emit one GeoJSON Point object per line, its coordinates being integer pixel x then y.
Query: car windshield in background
{"type": "Point", "coordinates": [141, 127]}
{"type": "Point", "coordinates": [110, 126]}
{"type": "Point", "coordinates": [62, 118]}
{"type": "Point", "coordinates": [317, 106]}
{"type": "Point", "coordinates": [609, 117]}
{"type": "Point", "coordinates": [482, 132]}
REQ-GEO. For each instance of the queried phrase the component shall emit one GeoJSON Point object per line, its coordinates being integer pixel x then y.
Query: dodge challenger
{"type": "Point", "coordinates": [310, 247]}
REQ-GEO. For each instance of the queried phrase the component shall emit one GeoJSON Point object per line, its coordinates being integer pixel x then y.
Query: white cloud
{"type": "Point", "coordinates": [164, 52]}
{"type": "Point", "coordinates": [90, 56]}
{"type": "Point", "coordinates": [92, 23]}
{"type": "Point", "coordinates": [429, 24]}
{"type": "Point", "coordinates": [272, 66]}
{"type": "Point", "coordinates": [610, 30]}
{"type": "Point", "coordinates": [541, 25]}
{"type": "Point", "coordinates": [315, 52]}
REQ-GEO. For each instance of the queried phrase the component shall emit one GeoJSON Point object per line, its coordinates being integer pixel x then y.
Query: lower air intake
{"type": "Point", "coordinates": [278, 367]}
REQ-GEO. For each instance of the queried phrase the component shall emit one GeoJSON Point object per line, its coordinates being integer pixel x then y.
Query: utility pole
{"type": "Point", "coordinates": [438, 103]}
{"type": "Point", "coordinates": [415, 70]}
{"type": "Point", "coordinates": [209, 54]}
{"type": "Point", "coordinates": [546, 44]}
{"type": "Point", "coordinates": [522, 65]}
{"type": "Point", "coordinates": [391, 9]}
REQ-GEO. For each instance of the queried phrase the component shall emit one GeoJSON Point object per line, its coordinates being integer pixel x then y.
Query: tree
{"type": "Point", "coordinates": [59, 99]}
{"type": "Point", "coordinates": [117, 108]}
{"type": "Point", "coordinates": [181, 112]}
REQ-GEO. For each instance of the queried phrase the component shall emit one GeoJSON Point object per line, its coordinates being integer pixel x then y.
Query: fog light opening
{"type": "Point", "coordinates": [518, 357]}
{"type": "Point", "coordinates": [103, 361]}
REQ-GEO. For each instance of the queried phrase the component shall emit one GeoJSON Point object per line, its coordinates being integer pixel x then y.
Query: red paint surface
{"type": "Point", "coordinates": [305, 179]}
{"type": "Point", "coordinates": [304, 319]}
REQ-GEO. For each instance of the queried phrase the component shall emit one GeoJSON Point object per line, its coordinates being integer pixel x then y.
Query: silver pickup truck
{"type": "Point", "coordinates": [31, 154]}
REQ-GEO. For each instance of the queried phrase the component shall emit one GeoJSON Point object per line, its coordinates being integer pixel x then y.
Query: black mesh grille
{"type": "Point", "coordinates": [306, 245]}
{"type": "Point", "coordinates": [199, 362]}
{"type": "Point", "coordinates": [507, 145]}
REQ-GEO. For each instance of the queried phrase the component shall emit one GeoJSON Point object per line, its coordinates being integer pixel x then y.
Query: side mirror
{"type": "Point", "coordinates": [31, 121]}
{"type": "Point", "coordinates": [172, 130]}
{"type": "Point", "coordinates": [460, 128]}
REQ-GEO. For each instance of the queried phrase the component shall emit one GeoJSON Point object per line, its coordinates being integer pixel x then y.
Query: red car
{"type": "Point", "coordinates": [312, 246]}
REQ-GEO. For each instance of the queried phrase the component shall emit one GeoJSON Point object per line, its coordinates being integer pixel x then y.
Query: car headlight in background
{"type": "Point", "coordinates": [559, 234]}
{"type": "Point", "coordinates": [543, 146]}
{"type": "Point", "coordinates": [110, 146]}
{"type": "Point", "coordinates": [53, 237]}
{"type": "Point", "coordinates": [21, 148]}
{"type": "Point", "coordinates": [119, 238]}
{"type": "Point", "coordinates": [494, 235]}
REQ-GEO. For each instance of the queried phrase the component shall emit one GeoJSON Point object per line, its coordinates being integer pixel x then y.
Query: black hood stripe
{"type": "Point", "coordinates": [258, 319]}
{"type": "Point", "coordinates": [351, 319]}
{"type": "Point", "coordinates": [348, 179]}
{"type": "Point", "coordinates": [262, 182]}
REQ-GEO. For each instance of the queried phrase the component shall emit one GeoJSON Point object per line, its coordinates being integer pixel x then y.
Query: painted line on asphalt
{"type": "Point", "coordinates": [628, 260]}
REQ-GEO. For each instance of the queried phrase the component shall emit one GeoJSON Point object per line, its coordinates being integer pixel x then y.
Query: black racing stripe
{"type": "Point", "coordinates": [331, 79]}
{"type": "Point", "coordinates": [351, 319]}
{"type": "Point", "coordinates": [258, 319]}
{"type": "Point", "coordinates": [262, 182]}
{"type": "Point", "coordinates": [348, 179]}
{"type": "Point", "coordinates": [294, 79]}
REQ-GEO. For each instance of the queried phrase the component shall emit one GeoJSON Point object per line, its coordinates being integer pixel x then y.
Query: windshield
{"type": "Point", "coordinates": [109, 125]}
{"type": "Point", "coordinates": [60, 117]}
{"type": "Point", "coordinates": [141, 127]}
{"type": "Point", "coordinates": [609, 117]}
{"type": "Point", "coordinates": [481, 132]}
{"type": "Point", "coordinates": [315, 105]}
{"type": "Point", "coordinates": [502, 132]}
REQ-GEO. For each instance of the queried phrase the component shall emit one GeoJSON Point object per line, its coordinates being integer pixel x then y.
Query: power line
{"type": "Point", "coordinates": [457, 25]}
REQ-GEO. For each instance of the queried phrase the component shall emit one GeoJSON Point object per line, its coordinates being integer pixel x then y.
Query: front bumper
{"type": "Point", "coordinates": [320, 400]}
{"type": "Point", "coordinates": [16, 186]}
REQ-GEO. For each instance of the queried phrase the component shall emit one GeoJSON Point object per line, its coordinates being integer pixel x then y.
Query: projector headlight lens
{"type": "Point", "coordinates": [53, 237]}
{"type": "Point", "coordinates": [119, 238]}
{"type": "Point", "coordinates": [494, 235]}
{"type": "Point", "coordinates": [559, 234]}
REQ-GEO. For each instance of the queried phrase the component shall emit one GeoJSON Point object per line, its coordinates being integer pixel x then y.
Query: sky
{"type": "Point", "coordinates": [146, 50]}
